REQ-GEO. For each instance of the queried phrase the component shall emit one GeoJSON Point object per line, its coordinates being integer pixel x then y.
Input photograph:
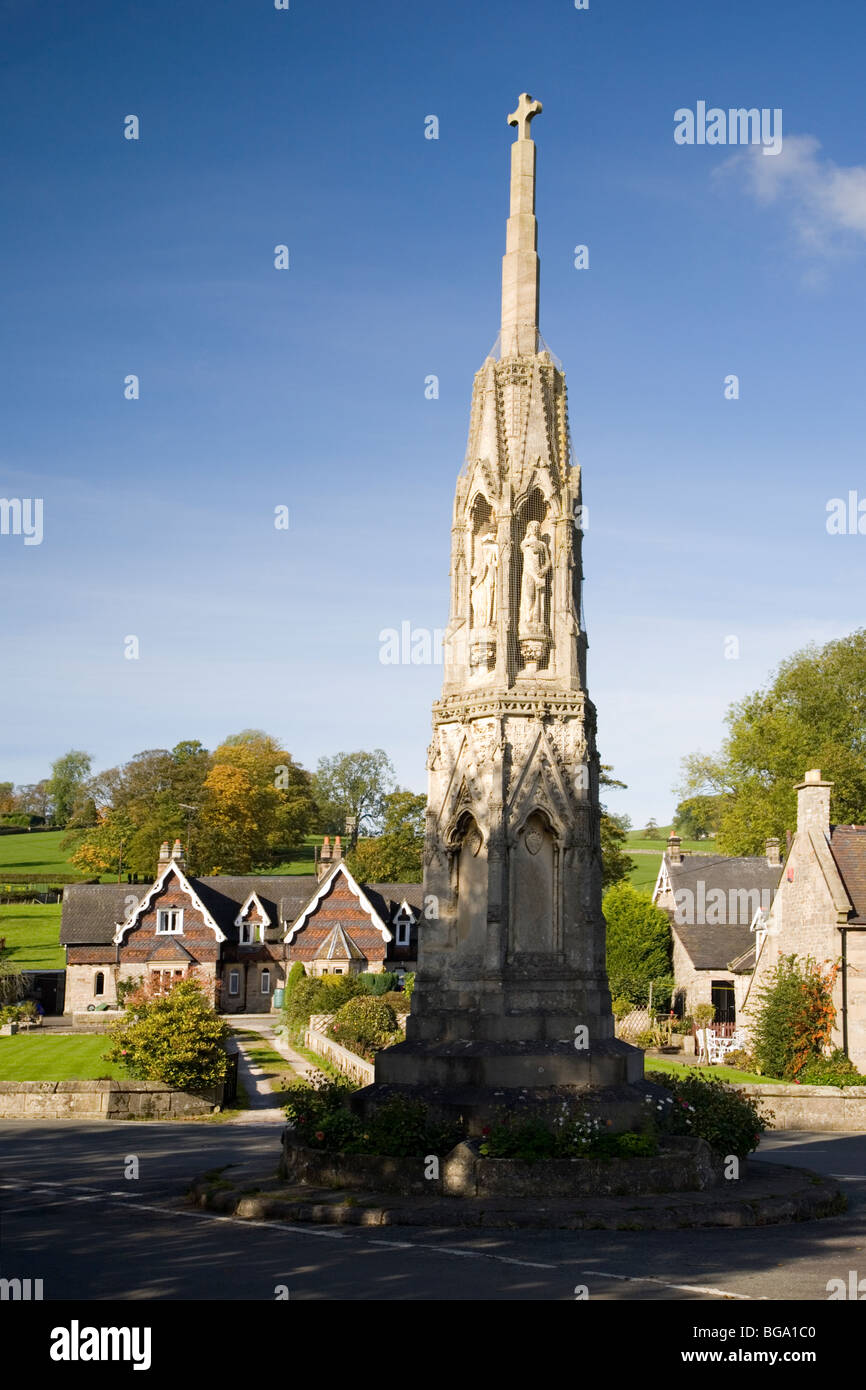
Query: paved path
{"type": "Point", "coordinates": [254, 1078]}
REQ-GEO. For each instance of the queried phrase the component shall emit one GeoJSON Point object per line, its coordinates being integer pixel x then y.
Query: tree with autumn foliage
{"type": "Point", "coordinates": [257, 803]}
{"type": "Point", "coordinates": [795, 1016]}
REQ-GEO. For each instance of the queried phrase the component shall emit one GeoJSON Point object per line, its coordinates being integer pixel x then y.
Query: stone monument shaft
{"type": "Point", "coordinates": [511, 960]}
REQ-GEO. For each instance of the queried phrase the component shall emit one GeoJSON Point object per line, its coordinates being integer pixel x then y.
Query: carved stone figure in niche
{"type": "Point", "coordinates": [484, 580]}
{"type": "Point", "coordinates": [536, 567]}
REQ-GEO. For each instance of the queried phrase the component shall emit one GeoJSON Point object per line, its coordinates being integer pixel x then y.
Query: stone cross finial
{"type": "Point", "coordinates": [526, 109]}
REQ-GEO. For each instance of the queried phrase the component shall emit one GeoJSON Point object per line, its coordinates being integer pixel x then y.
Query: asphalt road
{"type": "Point", "coordinates": [70, 1217]}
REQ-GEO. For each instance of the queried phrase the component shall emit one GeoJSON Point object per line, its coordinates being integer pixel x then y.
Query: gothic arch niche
{"type": "Point", "coordinates": [470, 882]}
{"type": "Point", "coordinates": [533, 508]}
{"type": "Point", "coordinates": [534, 876]}
{"type": "Point", "coordinates": [483, 585]}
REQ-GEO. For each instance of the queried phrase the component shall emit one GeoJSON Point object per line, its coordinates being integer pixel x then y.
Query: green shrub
{"type": "Point", "coordinates": [401, 1128]}
{"type": "Point", "coordinates": [296, 973]}
{"type": "Point", "coordinates": [706, 1108]}
{"type": "Point", "coordinates": [571, 1134]}
{"type": "Point", "coordinates": [409, 983]}
{"type": "Point", "coordinates": [704, 1015]}
{"type": "Point", "coordinates": [365, 1025]}
{"type": "Point", "coordinates": [323, 994]}
{"type": "Point", "coordinates": [644, 1040]}
{"type": "Point", "coordinates": [740, 1058]}
{"type": "Point", "coordinates": [795, 1017]}
{"type": "Point", "coordinates": [638, 943]}
{"type": "Point", "coordinates": [376, 983]}
{"type": "Point", "coordinates": [621, 1006]}
{"type": "Point", "coordinates": [835, 1070]}
{"type": "Point", "coordinates": [176, 1038]}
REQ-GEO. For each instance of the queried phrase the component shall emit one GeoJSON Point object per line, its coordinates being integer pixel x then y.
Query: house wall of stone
{"type": "Point", "coordinates": [803, 923]}
{"type": "Point", "coordinates": [697, 985]}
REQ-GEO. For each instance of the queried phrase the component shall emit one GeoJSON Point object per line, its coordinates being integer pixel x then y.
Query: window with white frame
{"type": "Point", "coordinates": [234, 982]}
{"type": "Point", "coordinates": [169, 920]}
{"type": "Point", "coordinates": [266, 982]}
{"type": "Point", "coordinates": [251, 932]}
{"type": "Point", "coordinates": [403, 921]}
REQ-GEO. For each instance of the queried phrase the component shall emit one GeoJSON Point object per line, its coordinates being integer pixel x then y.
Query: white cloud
{"type": "Point", "coordinates": [827, 201]}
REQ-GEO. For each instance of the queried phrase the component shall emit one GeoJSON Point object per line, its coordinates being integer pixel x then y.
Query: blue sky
{"type": "Point", "coordinates": [306, 387]}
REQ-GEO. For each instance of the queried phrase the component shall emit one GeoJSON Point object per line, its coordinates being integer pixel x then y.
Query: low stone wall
{"type": "Point", "coordinates": [345, 1061]}
{"type": "Point", "coordinates": [85, 1022]}
{"type": "Point", "coordinates": [681, 1165]}
{"type": "Point", "coordinates": [812, 1107]}
{"type": "Point", "coordinates": [102, 1100]}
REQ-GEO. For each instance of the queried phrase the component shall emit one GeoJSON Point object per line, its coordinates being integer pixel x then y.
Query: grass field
{"type": "Point", "coordinates": [32, 932]}
{"type": "Point", "coordinates": [43, 1057]}
{"type": "Point", "coordinates": [647, 855]}
{"type": "Point", "coordinates": [37, 853]}
{"type": "Point", "coordinates": [723, 1073]}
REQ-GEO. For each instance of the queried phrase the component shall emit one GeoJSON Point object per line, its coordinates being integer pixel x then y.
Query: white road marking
{"type": "Point", "coordinates": [688, 1288]}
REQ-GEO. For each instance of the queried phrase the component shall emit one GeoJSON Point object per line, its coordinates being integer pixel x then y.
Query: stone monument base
{"type": "Point", "coordinates": [474, 1081]}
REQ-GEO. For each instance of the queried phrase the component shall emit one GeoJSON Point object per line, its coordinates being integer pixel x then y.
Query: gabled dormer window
{"type": "Point", "coordinates": [404, 920]}
{"type": "Point", "coordinates": [250, 933]}
{"type": "Point", "coordinates": [169, 920]}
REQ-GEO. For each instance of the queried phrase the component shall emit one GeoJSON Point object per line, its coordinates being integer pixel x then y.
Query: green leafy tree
{"type": "Point", "coordinates": [68, 776]}
{"type": "Point", "coordinates": [697, 817]}
{"type": "Point", "coordinates": [616, 864]}
{"type": "Point", "coordinates": [638, 943]}
{"type": "Point", "coordinates": [651, 829]}
{"type": "Point", "coordinates": [350, 791]}
{"type": "Point", "coordinates": [395, 856]}
{"type": "Point", "coordinates": [812, 714]}
{"type": "Point", "coordinates": [176, 1038]}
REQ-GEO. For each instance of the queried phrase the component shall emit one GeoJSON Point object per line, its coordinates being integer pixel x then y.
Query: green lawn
{"type": "Point", "coordinates": [46, 1057]}
{"type": "Point", "coordinates": [723, 1073]}
{"type": "Point", "coordinates": [32, 932]}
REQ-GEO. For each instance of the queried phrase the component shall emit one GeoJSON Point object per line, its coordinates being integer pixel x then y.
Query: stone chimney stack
{"type": "Point", "coordinates": [177, 854]}
{"type": "Point", "coordinates": [813, 803]}
{"type": "Point", "coordinates": [338, 848]}
{"type": "Point", "coordinates": [675, 853]}
{"type": "Point", "coordinates": [774, 855]}
{"type": "Point", "coordinates": [164, 858]}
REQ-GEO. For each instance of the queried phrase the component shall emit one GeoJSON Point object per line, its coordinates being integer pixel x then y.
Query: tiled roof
{"type": "Point", "coordinates": [713, 948]}
{"type": "Point", "coordinates": [91, 911]}
{"type": "Point", "coordinates": [848, 847]}
{"type": "Point", "coordinates": [723, 871]}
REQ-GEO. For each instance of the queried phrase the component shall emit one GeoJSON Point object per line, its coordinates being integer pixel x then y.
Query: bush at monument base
{"type": "Point", "coordinates": [706, 1108]}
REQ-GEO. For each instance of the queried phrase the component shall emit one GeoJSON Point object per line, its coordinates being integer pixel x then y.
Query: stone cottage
{"type": "Point", "coordinates": [239, 935]}
{"type": "Point", "coordinates": [820, 911]}
{"type": "Point", "coordinates": [717, 905]}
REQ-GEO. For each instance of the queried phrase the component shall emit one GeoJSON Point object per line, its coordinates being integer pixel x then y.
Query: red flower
{"type": "Point", "coordinates": [485, 1130]}
{"type": "Point", "coordinates": [319, 1134]}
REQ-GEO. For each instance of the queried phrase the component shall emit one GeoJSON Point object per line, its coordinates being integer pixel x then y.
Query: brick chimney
{"type": "Point", "coordinates": [774, 855]}
{"type": "Point", "coordinates": [675, 854]}
{"type": "Point", "coordinates": [323, 858]}
{"type": "Point", "coordinates": [813, 803]}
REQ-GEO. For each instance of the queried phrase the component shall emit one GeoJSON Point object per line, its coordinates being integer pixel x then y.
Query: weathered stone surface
{"type": "Point", "coordinates": [769, 1194]}
{"type": "Point", "coordinates": [512, 991]}
{"type": "Point", "coordinates": [108, 1100]}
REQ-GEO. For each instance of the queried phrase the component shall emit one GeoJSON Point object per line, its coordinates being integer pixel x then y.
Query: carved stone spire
{"type": "Point", "coordinates": [512, 999]}
{"type": "Point", "coordinates": [519, 329]}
